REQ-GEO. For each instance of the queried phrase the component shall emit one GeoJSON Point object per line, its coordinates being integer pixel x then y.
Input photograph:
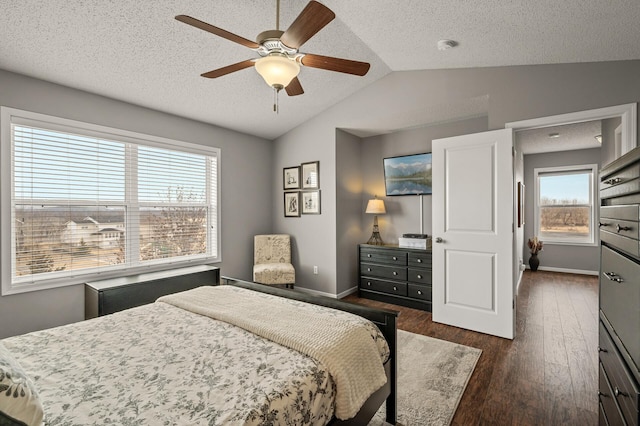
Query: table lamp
{"type": "Point", "coordinates": [375, 207]}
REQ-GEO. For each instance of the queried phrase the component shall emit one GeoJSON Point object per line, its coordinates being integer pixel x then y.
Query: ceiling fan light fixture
{"type": "Point", "coordinates": [277, 70]}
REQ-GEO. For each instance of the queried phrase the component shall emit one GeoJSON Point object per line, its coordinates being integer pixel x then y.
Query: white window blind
{"type": "Point", "coordinates": [88, 201]}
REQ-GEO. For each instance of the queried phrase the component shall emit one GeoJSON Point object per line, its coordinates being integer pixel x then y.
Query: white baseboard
{"type": "Point", "coordinates": [567, 270]}
{"type": "Point", "coordinates": [333, 296]}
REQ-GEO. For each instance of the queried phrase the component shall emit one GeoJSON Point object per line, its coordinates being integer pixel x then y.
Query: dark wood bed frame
{"type": "Point", "coordinates": [383, 318]}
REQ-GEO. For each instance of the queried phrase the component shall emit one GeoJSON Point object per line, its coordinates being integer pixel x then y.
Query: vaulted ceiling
{"type": "Point", "coordinates": [137, 52]}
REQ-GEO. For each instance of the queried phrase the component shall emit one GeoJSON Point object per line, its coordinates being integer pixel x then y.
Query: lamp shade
{"type": "Point", "coordinates": [375, 206]}
{"type": "Point", "coordinates": [277, 70]}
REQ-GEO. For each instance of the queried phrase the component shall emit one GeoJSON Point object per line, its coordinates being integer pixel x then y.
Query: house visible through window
{"type": "Point", "coordinates": [84, 201]}
{"type": "Point", "coordinates": [565, 207]}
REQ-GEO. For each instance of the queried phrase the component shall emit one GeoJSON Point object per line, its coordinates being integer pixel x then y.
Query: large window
{"type": "Point", "coordinates": [564, 205]}
{"type": "Point", "coordinates": [82, 202]}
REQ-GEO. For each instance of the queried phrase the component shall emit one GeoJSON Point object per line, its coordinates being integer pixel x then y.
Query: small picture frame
{"type": "Point", "coordinates": [291, 177]}
{"type": "Point", "coordinates": [311, 175]}
{"type": "Point", "coordinates": [311, 202]}
{"type": "Point", "coordinates": [292, 204]}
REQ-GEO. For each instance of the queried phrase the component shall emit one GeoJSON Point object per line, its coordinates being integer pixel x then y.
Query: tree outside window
{"type": "Point", "coordinates": [565, 204]}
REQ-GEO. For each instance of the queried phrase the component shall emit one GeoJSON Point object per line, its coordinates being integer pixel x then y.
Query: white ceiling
{"type": "Point", "coordinates": [137, 52]}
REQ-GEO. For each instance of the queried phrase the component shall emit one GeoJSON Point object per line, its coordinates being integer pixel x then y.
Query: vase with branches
{"type": "Point", "coordinates": [535, 246]}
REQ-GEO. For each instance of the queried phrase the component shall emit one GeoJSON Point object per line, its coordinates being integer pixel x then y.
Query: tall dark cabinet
{"type": "Point", "coordinates": [619, 336]}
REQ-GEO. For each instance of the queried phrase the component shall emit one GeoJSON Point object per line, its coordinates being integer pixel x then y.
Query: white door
{"type": "Point", "coordinates": [473, 232]}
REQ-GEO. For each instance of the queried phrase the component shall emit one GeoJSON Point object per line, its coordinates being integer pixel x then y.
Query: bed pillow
{"type": "Point", "coordinates": [19, 402]}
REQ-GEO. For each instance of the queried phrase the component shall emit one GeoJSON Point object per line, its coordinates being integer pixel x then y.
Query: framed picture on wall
{"type": "Point", "coordinates": [311, 175]}
{"type": "Point", "coordinates": [520, 204]}
{"type": "Point", "coordinates": [310, 202]}
{"type": "Point", "coordinates": [292, 204]}
{"type": "Point", "coordinates": [291, 177]}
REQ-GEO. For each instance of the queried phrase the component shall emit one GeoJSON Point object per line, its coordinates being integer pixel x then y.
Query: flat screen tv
{"type": "Point", "coordinates": [408, 174]}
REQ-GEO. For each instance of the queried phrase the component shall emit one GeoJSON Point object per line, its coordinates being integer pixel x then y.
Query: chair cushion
{"type": "Point", "coordinates": [274, 273]}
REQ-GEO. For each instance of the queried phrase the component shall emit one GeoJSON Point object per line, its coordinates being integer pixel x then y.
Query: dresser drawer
{"type": "Point", "coordinates": [390, 287]}
{"type": "Point", "coordinates": [620, 299]}
{"type": "Point", "coordinates": [621, 177]}
{"type": "Point", "coordinates": [419, 276]}
{"type": "Point", "coordinates": [625, 228]}
{"type": "Point", "coordinates": [626, 244]}
{"type": "Point", "coordinates": [422, 292]}
{"type": "Point", "coordinates": [609, 409]}
{"type": "Point", "coordinates": [421, 260]}
{"type": "Point", "coordinates": [630, 212]}
{"type": "Point", "coordinates": [396, 273]}
{"type": "Point", "coordinates": [617, 183]}
{"type": "Point", "coordinates": [623, 387]}
{"type": "Point", "coordinates": [390, 257]}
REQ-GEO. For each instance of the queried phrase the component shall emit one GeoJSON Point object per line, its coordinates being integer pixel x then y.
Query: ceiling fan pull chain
{"type": "Point", "coordinates": [275, 100]}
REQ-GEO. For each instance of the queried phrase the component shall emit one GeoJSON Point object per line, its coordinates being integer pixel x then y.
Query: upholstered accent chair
{"type": "Point", "coordinates": [272, 260]}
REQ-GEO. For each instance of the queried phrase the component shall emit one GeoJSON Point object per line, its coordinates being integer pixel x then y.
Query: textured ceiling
{"type": "Point", "coordinates": [137, 51]}
{"type": "Point", "coordinates": [569, 137]}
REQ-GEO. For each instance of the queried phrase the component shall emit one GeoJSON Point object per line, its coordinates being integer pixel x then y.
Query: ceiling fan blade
{"type": "Point", "coordinates": [335, 64]}
{"type": "Point", "coordinates": [228, 69]}
{"type": "Point", "coordinates": [294, 88]}
{"type": "Point", "coordinates": [217, 31]}
{"type": "Point", "coordinates": [312, 19]}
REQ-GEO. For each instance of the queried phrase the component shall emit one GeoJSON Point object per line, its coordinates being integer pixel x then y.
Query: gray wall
{"type": "Point", "coordinates": [349, 230]}
{"type": "Point", "coordinates": [518, 261]}
{"type": "Point", "coordinates": [252, 202]}
{"type": "Point", "coordinates": [515, 93]}
{"type": "Point", "coordinates": [246, 168]}
{"type": "Point", "coordinates": [403, 212]}
{"type": "Point", "coordinates": [573, 258]}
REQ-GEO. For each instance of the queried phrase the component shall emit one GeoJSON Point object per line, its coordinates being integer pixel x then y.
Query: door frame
{"type": "Point", "coordinates": [628, 114]}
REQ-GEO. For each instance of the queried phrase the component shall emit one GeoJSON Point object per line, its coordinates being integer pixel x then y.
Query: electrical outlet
{"type": "Point", "coordinates": [315, 270]}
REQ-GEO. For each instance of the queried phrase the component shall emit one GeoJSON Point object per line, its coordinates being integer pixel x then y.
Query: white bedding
{"type": "Point", "coordinates": [161, 365]}
{"type": "Point", "coordinates": [344, 343]}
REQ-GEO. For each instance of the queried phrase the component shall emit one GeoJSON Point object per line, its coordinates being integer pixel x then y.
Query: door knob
{"type": "Point", "coordinates": [439, 240]}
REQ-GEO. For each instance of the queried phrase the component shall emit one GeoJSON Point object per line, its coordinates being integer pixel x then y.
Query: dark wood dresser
{"type": "Point", "coordinates": [619, 336]}
{"type": "Point", "coordinates": [397, 275]}
{"type": "Point", "coordinates": [116, 294]}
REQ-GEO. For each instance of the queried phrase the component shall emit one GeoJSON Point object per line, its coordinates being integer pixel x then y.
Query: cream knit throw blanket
{"type": "Point", "coordinates": [336, 339]}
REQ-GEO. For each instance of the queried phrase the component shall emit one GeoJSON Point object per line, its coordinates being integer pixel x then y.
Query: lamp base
{"type": "Point", "coordinates": [375, 239]}
{"type": "Point", "coordinates": [375, 235]}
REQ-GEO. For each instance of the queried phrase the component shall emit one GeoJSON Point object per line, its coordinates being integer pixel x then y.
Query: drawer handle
{"type": "Point", "coordinates": [612, 276]}
{"type": "Point", "coordinates": [419, 260]}
{"type": "Point", "coordinates": [368, 255]}
{"type": "Point", "coordinates": [618, 392]}
{"type": "Point", "coordinates": [622, 228]}
{"type": "Point", "coordinates": [395, 273]}
{"type": "Point", "coordinates": [602, 349]}
{"type": "Point", "coordinates": [602, 224]}
{"type": "Point", "coordinates": [613, 181]}
{"type": "Point", "coordinates": [369, 283]}
{"type": "Point", "coordinates": [395, 288]}
{"type": "Point", "coordinates": [419, 292]}
{"type": "Point", "coordinates": [419, 276]}
{"type": "Point", "coordinates": [395, 258]}
{"type": "Point", "coordinates": [368, 269]}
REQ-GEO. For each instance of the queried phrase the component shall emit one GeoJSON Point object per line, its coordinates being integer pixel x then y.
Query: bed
{"type": "Point", "coordinates": [182, 361]}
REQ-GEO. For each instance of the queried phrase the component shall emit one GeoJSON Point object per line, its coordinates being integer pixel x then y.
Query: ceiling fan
{"type": "Point", "coordinates": [280, 59]}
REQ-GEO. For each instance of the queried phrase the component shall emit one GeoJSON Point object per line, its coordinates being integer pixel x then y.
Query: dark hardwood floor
{"type": "Point", "coordinates": [548, 374]}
